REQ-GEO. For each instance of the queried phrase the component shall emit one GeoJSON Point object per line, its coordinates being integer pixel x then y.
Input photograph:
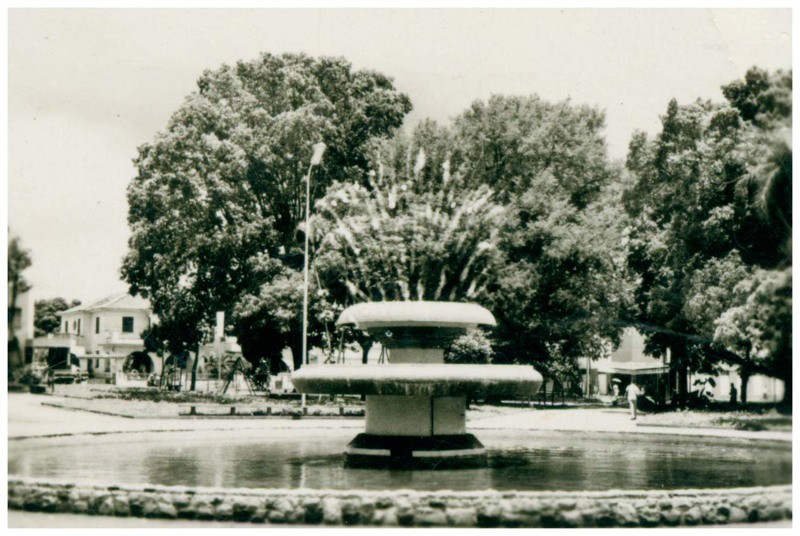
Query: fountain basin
{"type": "Point", "coordinates": [410, 379]}
{"type": "Point", "coordinates": [295, 455]}
{"type": "Point", "coordinates": [296, 476]}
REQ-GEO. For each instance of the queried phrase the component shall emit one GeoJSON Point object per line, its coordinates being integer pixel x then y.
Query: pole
{"type": "Point", "coordinates": [316, 158]}
{"type": "Point", "coordinates": [219, 334]}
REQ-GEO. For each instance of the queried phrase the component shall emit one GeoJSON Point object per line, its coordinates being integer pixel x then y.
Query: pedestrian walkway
{"type": "Point", "coordinates": [27, 417]}
{"type": "Point", "coordinates": [601, 420]}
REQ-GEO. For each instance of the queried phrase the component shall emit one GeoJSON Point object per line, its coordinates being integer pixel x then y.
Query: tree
{"type": "Point", "coordinates": [215, 205]}
{"type": "Point", "coordinates": [45, 317]}
{"type": "Point", "coordinates": [764, 101]}
{"type": "Point", "coordinates": [701, 228]}
{"type": "Point", "coordinates": [409, 234]}
{"type": "Point", "coordinates": [682, 207]}
{"type": "Point", "coordinates": [563, 287]}
{"type": "Point", "coordinates": [272, 320]}
{"type": "Point", "coordinates": [516, 144]}
{"type": "Point", "coordinates": [392, 242]}
{"type": "Point", "coordinates": [473, 348]}
{"type": "Point", "coordinates": [19, 260]}
{"type": "Point", "coordinates": [560, 286]}
{"type": "Point", "coordinates": [759, 327]}
{"type": "Point", "coordinates": [496, 210]}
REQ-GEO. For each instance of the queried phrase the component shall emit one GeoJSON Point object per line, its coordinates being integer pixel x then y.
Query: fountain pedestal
{"type": "Point", "coordinates": [416, 404]}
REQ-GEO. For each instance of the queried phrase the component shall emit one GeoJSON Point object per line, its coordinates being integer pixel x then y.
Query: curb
{"type": "Point", "coordinates": [406, 508]}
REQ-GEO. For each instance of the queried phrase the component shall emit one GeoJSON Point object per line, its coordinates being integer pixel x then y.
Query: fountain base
{"type": "Point", "coordinates": [416, 452]}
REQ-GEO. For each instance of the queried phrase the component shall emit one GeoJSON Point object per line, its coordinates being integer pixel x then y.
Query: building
{"type": "Point", "coordinates": [106, 335]}
{"type": "Point", "coordinates": [629, 362]}
{"type": "Point", "coordinates": [22, 323]}
{"type": "Point", "coordinates": [759, 388]}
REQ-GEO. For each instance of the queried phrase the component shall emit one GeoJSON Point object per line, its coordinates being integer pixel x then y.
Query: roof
{"type": "Point", "coordinates": [415, 313]}
{"type": "Point", "coordinates": [115, 301]}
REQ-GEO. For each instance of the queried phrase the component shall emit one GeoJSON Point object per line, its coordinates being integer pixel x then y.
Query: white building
{"type": "Point", "coordinates": [629, 362]}
{"type": "Point", "coordinates": [106, 335]}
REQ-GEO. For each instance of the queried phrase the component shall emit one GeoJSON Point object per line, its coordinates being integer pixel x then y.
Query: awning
{"type": "Point", "coordinates": [632, 368]}
{"type": "Point", "coordinates": [103, 356]}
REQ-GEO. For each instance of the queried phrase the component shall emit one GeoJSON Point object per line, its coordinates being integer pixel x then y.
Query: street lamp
{"type": "Point", "coordinates": [316, 158]}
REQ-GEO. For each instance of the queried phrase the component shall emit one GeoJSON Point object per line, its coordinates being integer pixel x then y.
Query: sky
{"type": "Point", "coordinates": [87, 87]}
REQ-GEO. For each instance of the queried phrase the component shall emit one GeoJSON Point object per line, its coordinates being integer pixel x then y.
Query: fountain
{"type": "Point", "coordinates": [416, 404]}
{"type": "Point", "coordinates": [291, 471]}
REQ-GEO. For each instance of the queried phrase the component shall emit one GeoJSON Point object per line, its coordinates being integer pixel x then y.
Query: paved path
{"type": "Point", "coordinates": [599, 420]}
{"type": "Point", "coordinates": [29, 418]}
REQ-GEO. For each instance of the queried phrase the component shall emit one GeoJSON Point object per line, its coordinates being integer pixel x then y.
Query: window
{"type": "Point", "coordinates": [97, 325]}
{"type": "Point", "coordinates": [75, 325]}
{"type": "Point", "coordinates": [66, 326]}
{"type": "Point", "coordinates": [127, 324]}
{"type": "Point", "coordinates": [79, 326]}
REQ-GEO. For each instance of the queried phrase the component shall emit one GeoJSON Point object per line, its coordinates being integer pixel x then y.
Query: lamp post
{"type": "Point", "coordinates": [316, 158]}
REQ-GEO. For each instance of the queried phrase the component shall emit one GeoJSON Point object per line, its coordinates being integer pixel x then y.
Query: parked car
{"type": "Point", "coordinates": [71, 374]}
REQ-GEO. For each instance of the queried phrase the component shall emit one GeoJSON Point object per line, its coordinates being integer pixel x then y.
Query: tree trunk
{"type": "Point", "coordinates": [13, 356]}
{"type": "Point", "coordinates": [682, 373]}
{"type": "Point", "coordinates": [13, 343]}
{"type": "Point", "coordinates": [787, 389]}
{"type": "Point", "coordinates": [366, 345]}
{"type": "Point", "coordinates": [194, 368]}
{"type": "Point", "coordinates": [297, 353]}
{"type": "Point", "coordinates": [744, 374]}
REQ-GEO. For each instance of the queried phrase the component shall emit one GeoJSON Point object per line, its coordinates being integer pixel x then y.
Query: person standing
{"type": "Point", "coordinates": [632, 391]}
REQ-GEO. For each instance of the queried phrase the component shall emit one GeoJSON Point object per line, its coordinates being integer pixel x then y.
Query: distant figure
{"type": "Point", "coordinates": [616, 391]}
{"type": "Point", "coordinates": [633, 392]}
{"type": "Point", "coordinates": [733, 393]}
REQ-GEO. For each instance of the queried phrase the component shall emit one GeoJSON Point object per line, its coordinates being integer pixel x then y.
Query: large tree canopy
{"type": "Point", "coordinates": [216, 202]}
{"type": "Point", "coordinates": [399, 240]}
{"type": "Point", "coordinates": [709, 207]}
{"type": "Point", "coordinates": [561, 287]}
{"type": "Point", "coordinates": [496, 209]}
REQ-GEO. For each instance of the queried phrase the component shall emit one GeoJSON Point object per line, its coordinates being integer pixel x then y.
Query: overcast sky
{"type": "Point", "coordinates": [86, 87]}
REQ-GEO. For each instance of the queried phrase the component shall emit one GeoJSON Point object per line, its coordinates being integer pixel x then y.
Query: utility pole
{"type": "Point", "coordinates": [316, 158]}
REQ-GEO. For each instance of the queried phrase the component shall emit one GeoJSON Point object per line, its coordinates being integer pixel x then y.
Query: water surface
{"type": "Point", "coordinates": [257, 458]}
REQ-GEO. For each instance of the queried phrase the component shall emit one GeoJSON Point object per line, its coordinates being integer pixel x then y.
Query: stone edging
{"type": "Point", "coordinates": [410, 508]}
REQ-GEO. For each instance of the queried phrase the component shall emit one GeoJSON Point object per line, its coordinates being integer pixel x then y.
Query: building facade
{"type": "Point", "coordinates": [629, 362]}
{"type": "Point", "coordinates": [106, 335]}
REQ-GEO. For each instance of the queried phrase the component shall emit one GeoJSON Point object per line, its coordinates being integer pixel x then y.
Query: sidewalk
{"type": "Point", "coordinates": [27, 417]}
{"type": "Point", "coordinates": [601, 420]}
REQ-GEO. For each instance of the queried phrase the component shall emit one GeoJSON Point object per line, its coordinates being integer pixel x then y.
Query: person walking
{"type": "Point", "coordinates": [633, 392]}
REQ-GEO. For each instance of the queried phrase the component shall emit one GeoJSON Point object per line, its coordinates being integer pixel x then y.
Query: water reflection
{"type": "Point", "coordinates": [521, 461]}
